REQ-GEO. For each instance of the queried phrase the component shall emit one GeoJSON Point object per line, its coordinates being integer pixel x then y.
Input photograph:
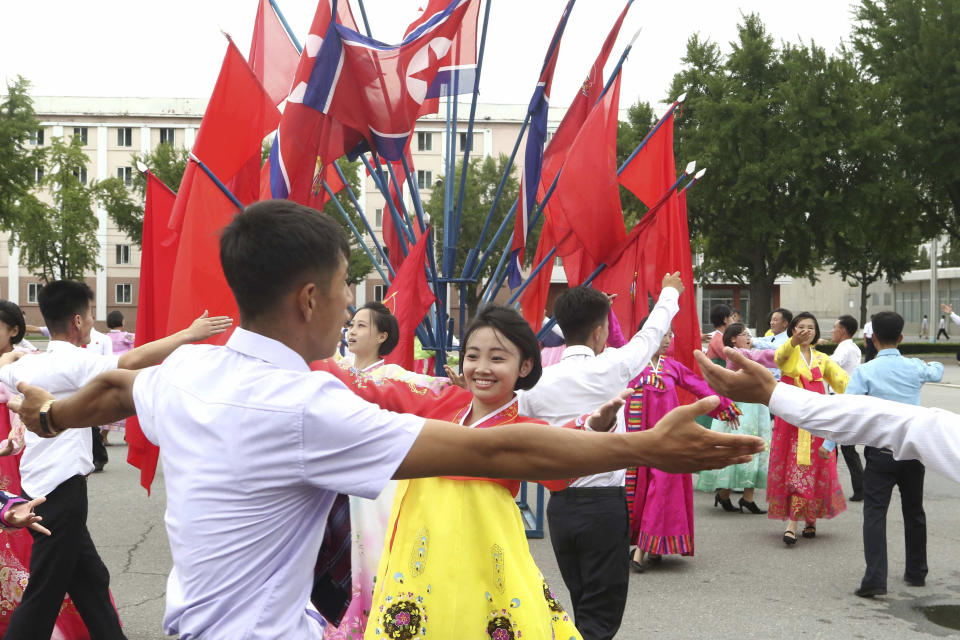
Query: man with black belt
{"type": "Point", "coordinates": [589, 527]}
{"type": "Point", "coordinates": [892, 377]}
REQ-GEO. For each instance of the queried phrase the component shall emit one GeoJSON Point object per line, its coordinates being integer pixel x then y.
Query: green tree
{"type": "Point", "coordinates": [481, 185]}
{"type": "Point", "coordinates": [923, 259]}
{"type": "Point", "coordinates": [18, 163]}
{"type": "Point", "coordinates": [59, 241]}
{"type": "Point", "coordinates": [764, 121]}
{"type": "Point", "coordinates": [166, 162]}
{"type": "Point", "coordinates": [911, 49]}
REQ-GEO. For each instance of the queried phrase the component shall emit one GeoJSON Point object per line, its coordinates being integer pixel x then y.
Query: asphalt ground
{"type": "Point", "coordinates": [742, 583]}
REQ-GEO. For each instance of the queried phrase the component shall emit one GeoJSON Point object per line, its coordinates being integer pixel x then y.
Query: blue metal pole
{"type": "Point", "coordinates": [286, 26]}
{"type": "Point", "coordinates": [448, 221]}
{"type": "Point", "coordinates": [363, 15]}
{"type": "Point", "coordinates": [356, 231]}
{"type": "Point", "coordinates": [475, 272]}
{"type": "Point", "coordinates": [496, 281]}
{"type": "Point", "coordinates": [394, 214]}
{"type": "Point", "coordinates": [216, 181]}
{"type": "Point", "coordinates": [366, 222]}
{"type": "Point", "coordinates": [546, 259]}
{"type": "Point", "coordinates": [646, 139]}
{"type": "Point", "coordinates": [408, 223]}
{"type": "Point", "coordinates": [414, 190]}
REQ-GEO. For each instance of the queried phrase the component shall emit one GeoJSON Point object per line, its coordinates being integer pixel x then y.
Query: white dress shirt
{"type": "Point", "coordinates": [582, 381]}
{"type": "Point", "coordinates": [931, 436]}
{"type": "Point", "coordinates": [955, 318]}
{"type": "Point", "coordinates": [254, 448]}
{"type": "Point", "coordinates": [100, 343]}
{"type": "Point", "coordinates": [847, 355]}
{"type": "Point", "coordinates": [61, 370]}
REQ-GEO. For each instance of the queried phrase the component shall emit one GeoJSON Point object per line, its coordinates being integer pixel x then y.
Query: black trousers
{"type": "Point", "coordinates": [944, 332]}
{"type": "Point", "coordinates": [99, 449]}
{"type": "Point", "coordinates": [869, 350]}
{"type": "Point", "coordinates": [881, 474]}
{"type": "Point", "coordinates": [852, 458]}
{"type": "Point", "coordinates": [65, 562]}
{"type": "Point", "coordinates": [589, 531]}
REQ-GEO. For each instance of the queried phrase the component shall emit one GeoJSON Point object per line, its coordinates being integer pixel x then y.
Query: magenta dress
{"type": "Point", "coordinates": [660, 503]}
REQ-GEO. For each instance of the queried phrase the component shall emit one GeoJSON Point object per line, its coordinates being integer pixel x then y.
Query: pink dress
{"type": "Point", "coordinates": [660, 503]}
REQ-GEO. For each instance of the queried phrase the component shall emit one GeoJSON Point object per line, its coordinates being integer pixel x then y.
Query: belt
{"type": "Point", "coordinates": [591, 492]}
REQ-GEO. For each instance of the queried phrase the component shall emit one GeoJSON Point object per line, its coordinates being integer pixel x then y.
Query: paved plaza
{"type": "Point", "coordinates": [742, 583]}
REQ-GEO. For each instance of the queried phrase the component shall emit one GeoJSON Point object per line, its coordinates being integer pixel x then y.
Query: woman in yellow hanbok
{"type": "Point", "coordinates": [802, 477]}
{"type": "Point", "coordinates": [455, 561]}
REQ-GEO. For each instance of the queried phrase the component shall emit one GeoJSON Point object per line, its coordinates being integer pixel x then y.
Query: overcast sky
{"type": "Point", "coordinates": [174, 48]}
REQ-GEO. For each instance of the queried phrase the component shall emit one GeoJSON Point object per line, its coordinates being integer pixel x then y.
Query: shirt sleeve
{"type": "Point", "coordinates": [955, 318]}
{"type": "Point", "coordinates": [857, 385]}
{"type": "Point", "coordinates": [144, 390]}
{"type": "Point", "coordinates": [931, 371]}
{"type": "Point", "coordinates": [89, 367]}
{"type": "Point", "coordinates": [619, 366]}
{"type": "Point", "coordinates": [351, 446]}
{"type": "Point", "coordinates": [931, 436]}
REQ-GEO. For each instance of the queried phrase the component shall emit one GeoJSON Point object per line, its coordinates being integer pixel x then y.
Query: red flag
{"type": "Point", "coordinates": [533, 300]}
{"type": "Point", "coordinates": [652, 171]}
{"type": "Point", "coordinates": [237, 118]}
{"type": "Point", "coordinates": [273, 56]}
{"type": "Point", "coordinates": [409, 298]}
{"type": "Point", "coordinates": [157, 257]}
{"type": "Point", "coordinates": [633, 275]}
{"type": "Point", "coordinates": [391, 237]}
{"type": "Point", "coordinates": [675, 255]}
{"type": "Point", "coordinates": [590, 216]}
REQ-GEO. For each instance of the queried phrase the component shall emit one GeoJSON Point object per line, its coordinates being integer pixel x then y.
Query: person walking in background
{"type": "Point", "coordinates": [892, 377]}
{"type": "Point", "coordinates": [943, 328]}
{"type": "Point", "coordinates": [869, 350]}
{"type": "Point", "coordinates": [847, 355]}
{"type": "Point", "coordinates": [924, 327]}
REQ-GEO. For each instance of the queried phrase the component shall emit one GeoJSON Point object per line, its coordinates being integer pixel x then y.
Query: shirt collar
{"type": "Point", "coordinates": [577, 350]}
{"type": "Point", "coordinates": [61, 345]}
{"type": "Point", "coordinates": [261, 347]}
{"type": "Point", "coordinates": [888, 352]}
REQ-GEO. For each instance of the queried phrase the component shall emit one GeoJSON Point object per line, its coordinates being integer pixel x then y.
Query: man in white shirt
{"type": "Point", "coordinates": [67, 561]}
{"type": "Point", "coordinates": [870, 350]}
{"type": "Point", "coordinates": [929, 435]}
{"type": "Point", "coordinates": [847, 355]}
{"type": "Point", "coordinates": [256, 447]}
{"type": "Point", "coordinates": [588, 522]}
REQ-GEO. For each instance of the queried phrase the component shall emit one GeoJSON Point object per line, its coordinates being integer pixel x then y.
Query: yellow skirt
{"type": "Point", "coordinates": [459, 567]}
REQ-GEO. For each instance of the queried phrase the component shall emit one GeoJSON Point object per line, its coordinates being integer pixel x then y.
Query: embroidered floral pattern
{"type": "Point", "coordinates": [497, 552]}
{"type": "Point", "coordinates": [551, 598]}
{"type": "Point", "coordinates": [418, 555]}
{"type": "Point", "coordinates": [500, 626]}
{"type": "Point", "coordinates": [403, 619]}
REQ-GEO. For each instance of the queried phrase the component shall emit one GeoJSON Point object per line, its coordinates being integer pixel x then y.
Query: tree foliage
{"type": "Point", "coordinates": [18, 162]}
{"type": "Point", "coordinates": [767, 121]}
{"type": "Point", "coordinates": [59, 240]}
{"type": "Point", "coordinates": [481, 186]}
{"type": "Point", "coordinates": [640, 119]}
{"type": "Point", "coordinates": [911, 50]}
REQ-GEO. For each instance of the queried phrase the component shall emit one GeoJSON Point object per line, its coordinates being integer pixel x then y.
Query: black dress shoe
{"type": "Point", "coordinates": [636, 566]}
{"type": "Point", "coordinates": [856, 497]}
{"type": "Point", "coordinates": [915, 582]}
{"type": "Point", "coordinates": [750, 506]}
{"type": "Point", "coordinates": [869, 592]}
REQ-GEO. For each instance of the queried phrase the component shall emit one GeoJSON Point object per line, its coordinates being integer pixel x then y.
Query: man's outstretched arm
{"type": "Point", "coordinates": [929, 435]}
{"type": "Point", "coordinates": [107, 398]}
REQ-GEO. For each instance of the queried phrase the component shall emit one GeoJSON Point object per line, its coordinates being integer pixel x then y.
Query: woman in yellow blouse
{"type": "Point", "coordinates": [802, 479]}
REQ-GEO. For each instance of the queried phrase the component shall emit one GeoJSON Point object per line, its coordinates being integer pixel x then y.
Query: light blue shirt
{"type": "Point", "coordinates": [892, 377]}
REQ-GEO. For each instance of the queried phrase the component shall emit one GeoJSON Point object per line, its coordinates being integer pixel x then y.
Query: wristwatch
{"type": "Point", "coordinates": [46, 420]}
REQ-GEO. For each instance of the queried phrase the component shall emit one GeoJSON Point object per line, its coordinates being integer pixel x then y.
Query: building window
{"type": "Point", "coordinates": [424, 179]}
{"type": "Point", "coordinates": [81, 174]}
{"type": "Point", "coordinates": [126, 175]}
{"type": "Point", "coordinates": [378, 217]}
{"type": "Point", "coordinates": [463, 141]}
{"type": "Point", "coordinates": [124, 293]}
{"type": "Point", "coordinates": [32, 290]}
{"type": "Point", "coordinates": [166, 136]}
{"type": "Point", "coordinates": [38, 175]}
{"type": "Point", "coordinates": [379, 291]}
{"type": "Point", "coordinates": [125, 137]}
{"type": "Point", "coordinates": [886, 299]}
{"type": "Point", "coordinates": [36, 137]}
{"type": "Point", "coordinates": [424, 141]}
{"type": "Point", "coordinates": [81, 132]}
{"type": "Point", "coordinates": [123, 254]}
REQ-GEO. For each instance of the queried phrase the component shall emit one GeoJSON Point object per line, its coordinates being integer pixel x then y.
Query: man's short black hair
{"type": "Point", "coordinates": [508, 322]}
{"type": "Point", "coordinates": [61, 300]}
{"type": "Point", "coordinates": [785, 314]}
{"type": "Point", "coordinates": [887, 327]}
{"type": "Point", "coordinates": [275, 245]}
{"type": "Point", "coordinates": [719, 314]}
{"type": "Point", "coordinates": [849, 323]}
{"type": "Point", "coordinates": [580, 310]}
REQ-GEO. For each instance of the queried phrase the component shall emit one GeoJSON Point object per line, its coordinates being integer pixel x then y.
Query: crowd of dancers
{"type": "Point", "coordinates": [260, 453]}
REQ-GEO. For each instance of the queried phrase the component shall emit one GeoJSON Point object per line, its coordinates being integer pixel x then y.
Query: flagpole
{"type": "Point", "coordinates": [356, 232]}
{"type": "Point", "coordinates": [286, 26]}
{"type": "Point", "coordinates": [394, 214]}
{"type": "Point", "coordinates": [363, 16]}
{"type": "Point", "coordinates": [499, 275]}
{"type": "Point", "coordinates": [366, 223]}
{"type": "Point", "coordinates": [475, 273]}
{"type": "Point", "coordinates": [216, 181]}
{"type": "Point", "coordinates": [382, 182]}
{"type": "Point", "coordinates": [646, 139]}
